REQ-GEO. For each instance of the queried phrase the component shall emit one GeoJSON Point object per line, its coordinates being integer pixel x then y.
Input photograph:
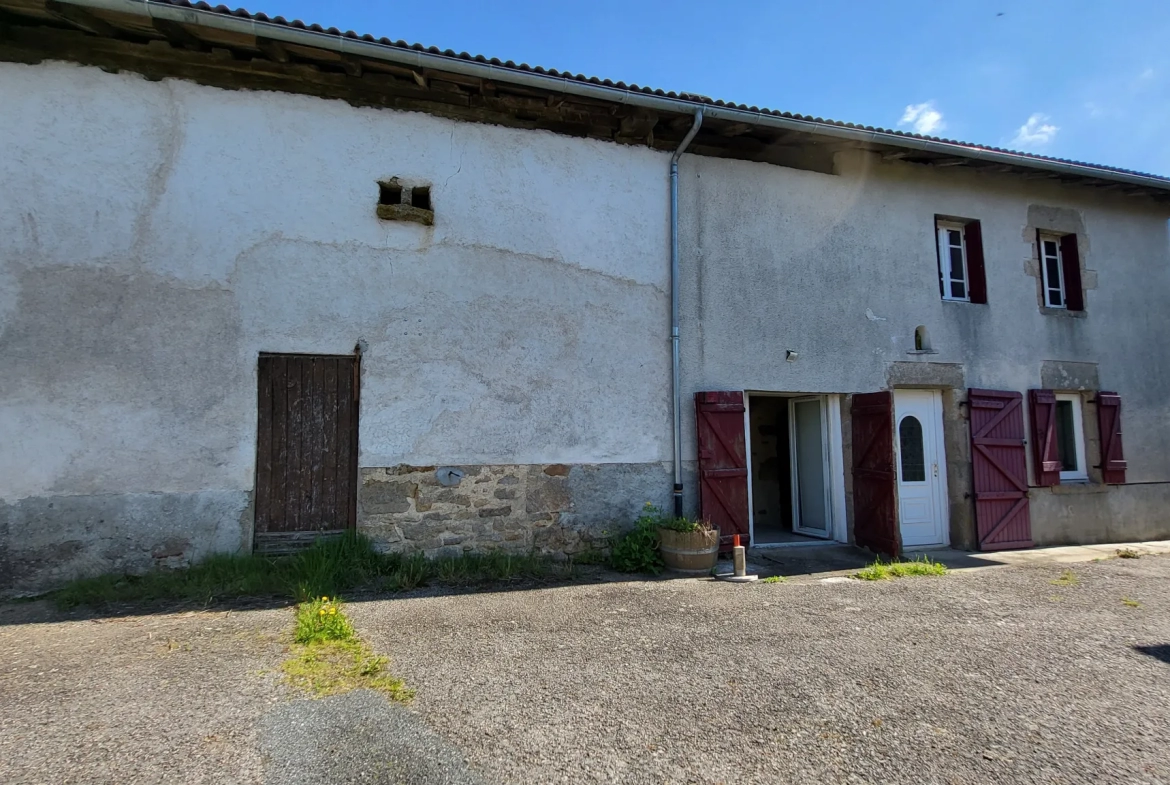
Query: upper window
{"type": "Point", "coordinates": [1051, 269]}
{"type": "Point", "coordinates": [1060, 271]}
{"type": "Point", "coordinates": [952, 259]}
{"type": "Point", "coordinates": [1070, 438]}
{"type": "Point", "coordinates": [960, 261]}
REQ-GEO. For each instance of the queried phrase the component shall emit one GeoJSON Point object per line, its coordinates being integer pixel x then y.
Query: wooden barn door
{"type": "Point", "coordinates": [723, 486]}
{"type": "Point", "coordinates": [875, 511]}
{"type": "Point", "coordinates": [306, 450]}
{"type": "Point", "coordinates": [1000, 470]}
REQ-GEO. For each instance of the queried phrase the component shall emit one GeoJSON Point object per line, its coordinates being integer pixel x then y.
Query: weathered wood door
{"type": "Point", "coordinates": [999, 470]}
{"type": "Point", "coordinates": [875, 513]}
{"type": "Point", "coordinates": [723, 486]}
{"type": "Point", "coordinates": [306, 451]}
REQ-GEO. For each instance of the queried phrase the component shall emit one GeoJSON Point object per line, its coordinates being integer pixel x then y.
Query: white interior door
{"type": "Point", "coordinates": [809, 442]}
{"type": "Point", "coordinates": [922, 498]}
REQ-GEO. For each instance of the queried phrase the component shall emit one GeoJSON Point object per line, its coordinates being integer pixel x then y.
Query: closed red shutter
{"type": "Point", "coordinates": [1070, 261]}
{"type": "Point", "coordinates": [973, 236]}
{"type": "Point", "coordinates": [875, 516]}
{"type": "Point", "coordinates": [999, 469]}
{"type": "Point", "coordinates": [723, 487]}
{"type": "Point", "coordinates": [1044, 449]}
{"type": "Point", "coordinates": [1109, 420]}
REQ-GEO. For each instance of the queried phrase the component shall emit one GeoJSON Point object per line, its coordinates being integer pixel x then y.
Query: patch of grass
{"type": "Point", "coordinates": [322, 620]}
{"type": "Point", "coordinates": [885, 570]}
{"type": "Point", "coordinates": [774, 579]}
{"type": "Point", "coordinates": [1067, 578]}
{"type": "Point", "coordinates": [1130, 603]}
{"type": "Point", "coordinates": [1128, 553]}
{"type": "Point", "coordinates": [591, 557]}
{"type": "Point", "coordinates": [330, 567]}
{"type": "Point", "coordinates": [328, 658]}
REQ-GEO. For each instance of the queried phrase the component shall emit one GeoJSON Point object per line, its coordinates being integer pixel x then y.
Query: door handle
{"type": "Point", "coordinates": [935, 468]}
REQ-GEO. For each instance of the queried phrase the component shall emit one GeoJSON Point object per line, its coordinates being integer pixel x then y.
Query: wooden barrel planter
{"type": "Point", "coordinates": [689, 553]}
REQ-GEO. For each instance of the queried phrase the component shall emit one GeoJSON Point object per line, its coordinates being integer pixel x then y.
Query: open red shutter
{"type": "Point", "coordinates": [1044, 451]}
{"type": "Point", "coordinates": [875, 516]}
{"type": "Point", "coordinates": [977, 285]}
{"type": "Point", "coordinates": [1109, 421]}
{"type": "Point", "coordinates": [723, 487]}
{"type": "Point", "coordinates": [999, 470]}
{"type": "Point", "coordinates": [1070, 260]}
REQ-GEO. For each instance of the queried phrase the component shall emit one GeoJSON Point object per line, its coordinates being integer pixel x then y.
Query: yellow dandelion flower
{"type": "Point", "coordinates": [332, 611]}
{"type": "Point", "coordinates": [324, 599]}
{"type": "Point", "coordinates": [321, 612]}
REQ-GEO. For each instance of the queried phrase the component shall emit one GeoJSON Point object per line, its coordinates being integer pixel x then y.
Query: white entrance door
{"type": "Point", "coordinates": [811, 506]}
{"type": "Point", "coordinates": [922, 477]}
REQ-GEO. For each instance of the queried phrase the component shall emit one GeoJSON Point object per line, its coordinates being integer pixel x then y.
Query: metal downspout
{"type": "Point", "coordinates": [675, 380]}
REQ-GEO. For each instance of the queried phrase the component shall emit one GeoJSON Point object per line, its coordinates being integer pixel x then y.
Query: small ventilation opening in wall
{"type": "Point", "coordinates": [420, 197]}
{"type": "Point", "coordinates": [389, 193]}
{"type": "Point", "coordinates": [921, 339]}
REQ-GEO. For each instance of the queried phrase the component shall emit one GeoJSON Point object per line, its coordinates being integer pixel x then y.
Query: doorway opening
{"type": "Point", "coordinates": [792, 468]}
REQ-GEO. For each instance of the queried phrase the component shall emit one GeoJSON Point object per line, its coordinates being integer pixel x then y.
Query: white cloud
{"type": "Point", "coordinates": [1036, 132]}
{"type": "Point", "coordinates": [923, 118]}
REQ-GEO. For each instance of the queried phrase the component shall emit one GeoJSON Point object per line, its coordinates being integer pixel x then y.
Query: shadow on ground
{"type": "Point", "coordinates": [765, 562]}
{"type": "Point", "coordinates": [43, 609]}
{"type": "Point", "coordinates": [1158, 652]}
{"type": "Point", "coordinates": [800, 561]}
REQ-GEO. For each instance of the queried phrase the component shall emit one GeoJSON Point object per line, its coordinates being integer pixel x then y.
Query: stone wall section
{"type": "Point", "coordinates": [513, 508]}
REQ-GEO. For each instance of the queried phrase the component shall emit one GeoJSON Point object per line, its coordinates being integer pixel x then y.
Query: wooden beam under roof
{"type": "Point", "coordinates": [273, 50]}
{"type": "Point", "coordinates": [79, 17]}
{"type": "Point", "coordinates": [734, 129]}
{"type": "Point", "coordinates": [178, 34]}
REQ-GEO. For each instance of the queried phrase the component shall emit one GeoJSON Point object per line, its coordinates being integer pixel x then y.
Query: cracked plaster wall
{"type": "Point", "coordinates": [156, 236]}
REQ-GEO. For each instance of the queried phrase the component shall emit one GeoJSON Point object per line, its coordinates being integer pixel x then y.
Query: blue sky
{"type": "Point", "coordinates": [1068, 78]}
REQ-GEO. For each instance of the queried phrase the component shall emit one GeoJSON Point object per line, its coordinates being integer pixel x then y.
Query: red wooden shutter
{"type": "Point", "coordinates": [1109, 420]}
{"type": "Point", "coordinates": [977, 277]}
{"type": "Point", "coordinates": [1070, 262]}
{"type": "Point", "coordinates": [999, 470]}
{"type": "Point", "coordinates": [723, 487]}
{"type": "Point", "coordinates": [875, 516]}
{"type": "Point", "coordinates": [1044, 451]}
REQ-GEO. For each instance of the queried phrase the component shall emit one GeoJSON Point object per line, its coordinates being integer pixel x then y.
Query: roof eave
{"type": "Point", "coordinates": [345, 44]}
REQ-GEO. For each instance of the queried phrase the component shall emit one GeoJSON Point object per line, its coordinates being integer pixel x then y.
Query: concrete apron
{"type": "Point", "coordinates": [837, 560]}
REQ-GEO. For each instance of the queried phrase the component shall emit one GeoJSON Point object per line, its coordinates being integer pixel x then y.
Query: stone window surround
{"type": "Point", "coordinates": [1057, 220]}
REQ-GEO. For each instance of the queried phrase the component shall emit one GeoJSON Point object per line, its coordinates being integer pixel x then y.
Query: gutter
{"type": "Point", "coordinates": [567, 85]}
{"type": "Point", "coordinates": [676, 383]}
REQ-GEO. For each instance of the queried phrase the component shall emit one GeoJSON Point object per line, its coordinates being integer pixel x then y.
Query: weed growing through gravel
{"type": "Point", "coordinates": [329, 567]}
{"type": "Point", "coordinates": [774, 579]}
{"type": "Point", "coordinates": [1130, 603]}
{"type": "Point", "coordinates": [882, 570]}
{"type": "Point", "coordinates": [322, 620]}
{"type": "Point", "coordinates": [1067, 578]}
{"type": "Point", "coordinates": [328, 658]}
{"type": "Point", "coordinates": [1128, 553]}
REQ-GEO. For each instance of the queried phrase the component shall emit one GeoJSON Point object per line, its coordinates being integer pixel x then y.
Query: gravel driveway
{"type": "Point", "coordinates": [992, 675]}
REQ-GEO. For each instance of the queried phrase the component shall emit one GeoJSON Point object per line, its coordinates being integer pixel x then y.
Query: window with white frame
{"type": "Point", "coordinates": [952, 262]}
{"type": "Point", "coordinates": [1070, 438]}
{"type": "Point", "coordinates": [1052, 270]}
